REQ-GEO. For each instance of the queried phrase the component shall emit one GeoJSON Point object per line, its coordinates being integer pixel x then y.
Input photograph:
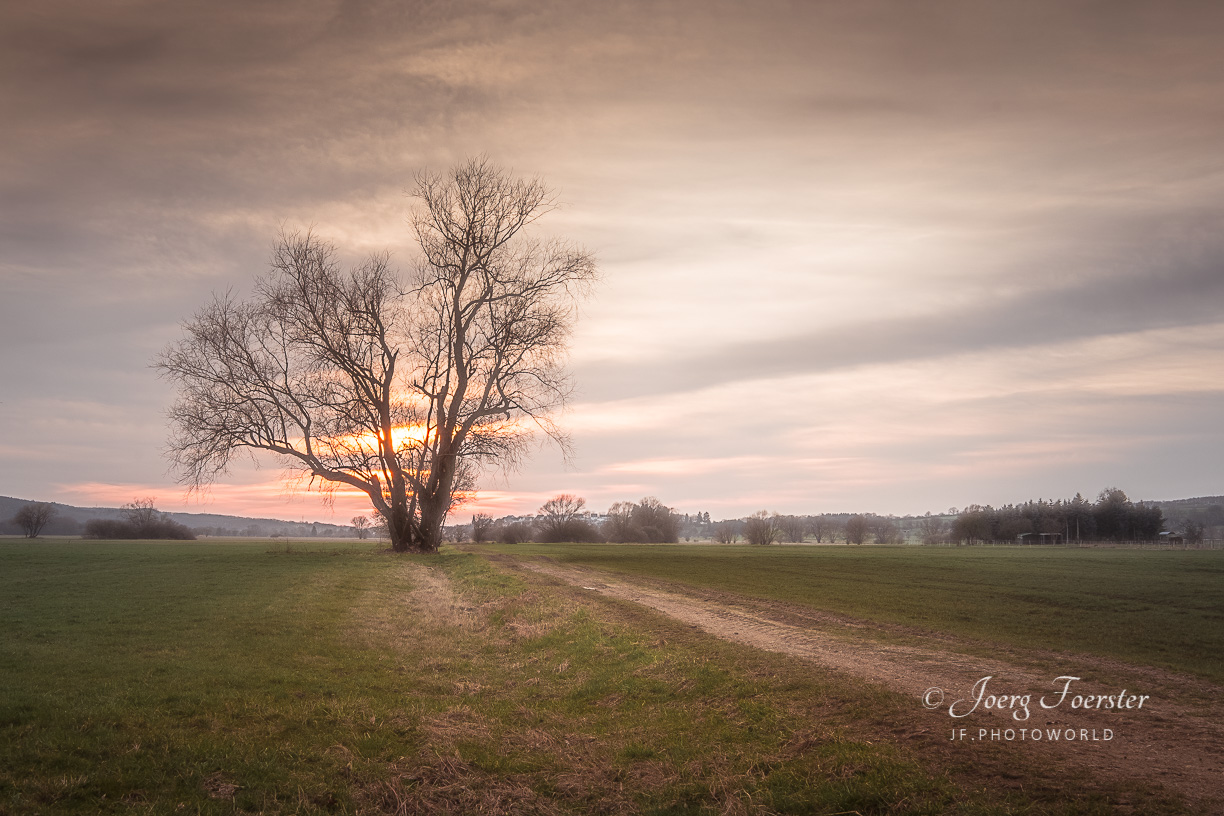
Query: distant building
{"type": "Point", "coordinates": [1039, 538]}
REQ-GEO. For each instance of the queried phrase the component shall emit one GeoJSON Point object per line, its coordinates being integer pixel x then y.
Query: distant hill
{"type": "Point", "coordinates": [70, 520]}
{"type": "Point", "coordinates": [1206, 510]}
{"type": "Point", "coordinates": [1202, 503]}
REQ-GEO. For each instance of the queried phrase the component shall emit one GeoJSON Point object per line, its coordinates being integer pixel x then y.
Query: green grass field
{"type": "Point", "coordinates": [253, 678]}
{"type": "Point", "coordinates": [1157, 608]}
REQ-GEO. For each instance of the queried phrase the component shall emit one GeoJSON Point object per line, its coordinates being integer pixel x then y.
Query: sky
{"type": "Point", "coordinates": [863, 256]}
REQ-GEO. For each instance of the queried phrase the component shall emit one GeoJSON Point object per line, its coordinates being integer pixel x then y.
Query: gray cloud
{"type": "Point", "coordinates": [1173, 292]}
{"type": "Point", "coordinates": [1055, 166]}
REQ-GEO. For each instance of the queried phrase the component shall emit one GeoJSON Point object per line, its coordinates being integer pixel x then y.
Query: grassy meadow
{"type": "Point", "coordinates": [219, 678]}
{"type": "Point", "coordinates": [1150, 607]}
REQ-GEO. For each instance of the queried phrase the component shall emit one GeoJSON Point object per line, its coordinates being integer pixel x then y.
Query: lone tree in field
{"type": "Point", "coordinates": [402, 388]}
{"type": "Point", "coordinates": [33, 517]}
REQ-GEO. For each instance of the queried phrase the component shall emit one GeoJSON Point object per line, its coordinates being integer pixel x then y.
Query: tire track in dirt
{"type": "Point", "coordinates": [1172, 740]}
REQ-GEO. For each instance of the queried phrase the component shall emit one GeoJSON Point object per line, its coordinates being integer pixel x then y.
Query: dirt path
{"type": "Point", "coordinates": [1175, 738]}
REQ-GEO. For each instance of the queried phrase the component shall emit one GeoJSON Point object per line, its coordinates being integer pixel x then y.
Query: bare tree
{"type": "Point", "coordinates": [856, 529]}
{"type": "Point", "coordinates": [822, 526]}
{"type": "Point", "coordinates": [761, 528]}
{"type": "Point", "coordinates": [141, 513]}
{"type": "Point", "coordinates": [792, 528]}
{"type": "Point", "coordinates": [618, 526]}
{"type": "Point", "coordinates": [561, 520]}
{"type": "Point", "coordinates": [560, 509]}
{"type": "Point", "coordinates": [886, 531]}
{"type": "Point", "coordinates": [654, 522]}
{"type": "Point", "coordinates": [378, 525]}
{"type": "Point", "coordinates": [33, 517]}
{"type": "Point", "coordinates": [482, 527]}
{"type": "Point", "coordinates": [362, 525]}
{"type": "Point", "coordinates": [932, 529]}
{"type": "Point", "coordinates": [725, 532]}
{"type": "Point", "coordinates": [402, 390]}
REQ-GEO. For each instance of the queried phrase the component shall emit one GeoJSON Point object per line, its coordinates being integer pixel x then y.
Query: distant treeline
{"type": "Point", "coordinates": [1112, 517]}
{"type": "Point", "coordinates": [563, 518]}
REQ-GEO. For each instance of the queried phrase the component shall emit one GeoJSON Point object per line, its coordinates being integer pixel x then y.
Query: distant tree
{"type": "Point", "coordinates": [1147, 521]}
{"type": "Point", "coordinates": [1120, 519]}
{"type": "Point", "coordinates": [1010, 523]}
{"type": "Point", "coordinates": [1192, 533]}
{"type": "Point", "coordinates": [516, 532]}
{"type": "Point", "coordinates": [974, 523]}
{"type": "Point", "coordinates": [1079, 523]}
{"type": "Point", "coordinates": [932, 529]}
{"type": "Point", "coordinates": [647, 522]}
{"type": "Point", "coordinates": [562, 507]}
{"type": "Point", "coordinates": [821, 526]}
{"type": "Point", "coordinates": [655, 523]}
{"type": "Point", "coordinates": [561, 520]}
{"type": "Point", "coordinates": [140, 513]}
{"type": "Point", "coordinates": [378, 526]}
{"type": "Point", "coordinates": [33, 517]}
{"type": "Point", "coordinates": [1110, 513]}
{"type": "Point", "coordinates": [362, 525]}
{"type": "Point", "coordinates": [618, 526]}
{"type": "Point", "coordinates": [726, 532]}
{"type": "Point", "coordinates": [482, 527]}
{"type": "Point", "coordinates": [762, 528]}
{"type": "Point", "coordinates": [792, 528]}
{"type": "Point", "coordinates": [857, 529]}
{"type": "Point", "coordinates": [886, 531]}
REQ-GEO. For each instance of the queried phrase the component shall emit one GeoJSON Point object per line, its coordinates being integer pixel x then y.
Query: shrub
{"type": "Point", "coordinates": [141, 520]}
{"type": "Point", "coordinates": [516, 533]}
{"type": "Point", "coordinates": [120, 529]}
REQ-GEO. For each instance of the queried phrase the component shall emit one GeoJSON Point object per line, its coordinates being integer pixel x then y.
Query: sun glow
{"type": "Point", "coordinates": [418, 435]}
{"type": "Point", "coordinates": [402, 436]}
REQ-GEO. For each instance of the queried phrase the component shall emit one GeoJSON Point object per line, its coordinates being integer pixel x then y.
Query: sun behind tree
{"type": "Point", "coordinates": [400, 388]}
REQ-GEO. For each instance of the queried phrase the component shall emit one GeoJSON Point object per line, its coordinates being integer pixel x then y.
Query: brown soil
{"type": "Point", "coordinates": [1175, 740]}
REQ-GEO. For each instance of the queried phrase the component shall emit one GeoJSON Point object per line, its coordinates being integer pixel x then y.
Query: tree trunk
{"type": "Point", "coordinates": [433, 516]}
{"type": "Point", "coordinates": [400, 528]}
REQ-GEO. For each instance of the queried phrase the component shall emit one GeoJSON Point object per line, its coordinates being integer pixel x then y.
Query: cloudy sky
{"type": "Point", "coordinates": [856, 256]}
